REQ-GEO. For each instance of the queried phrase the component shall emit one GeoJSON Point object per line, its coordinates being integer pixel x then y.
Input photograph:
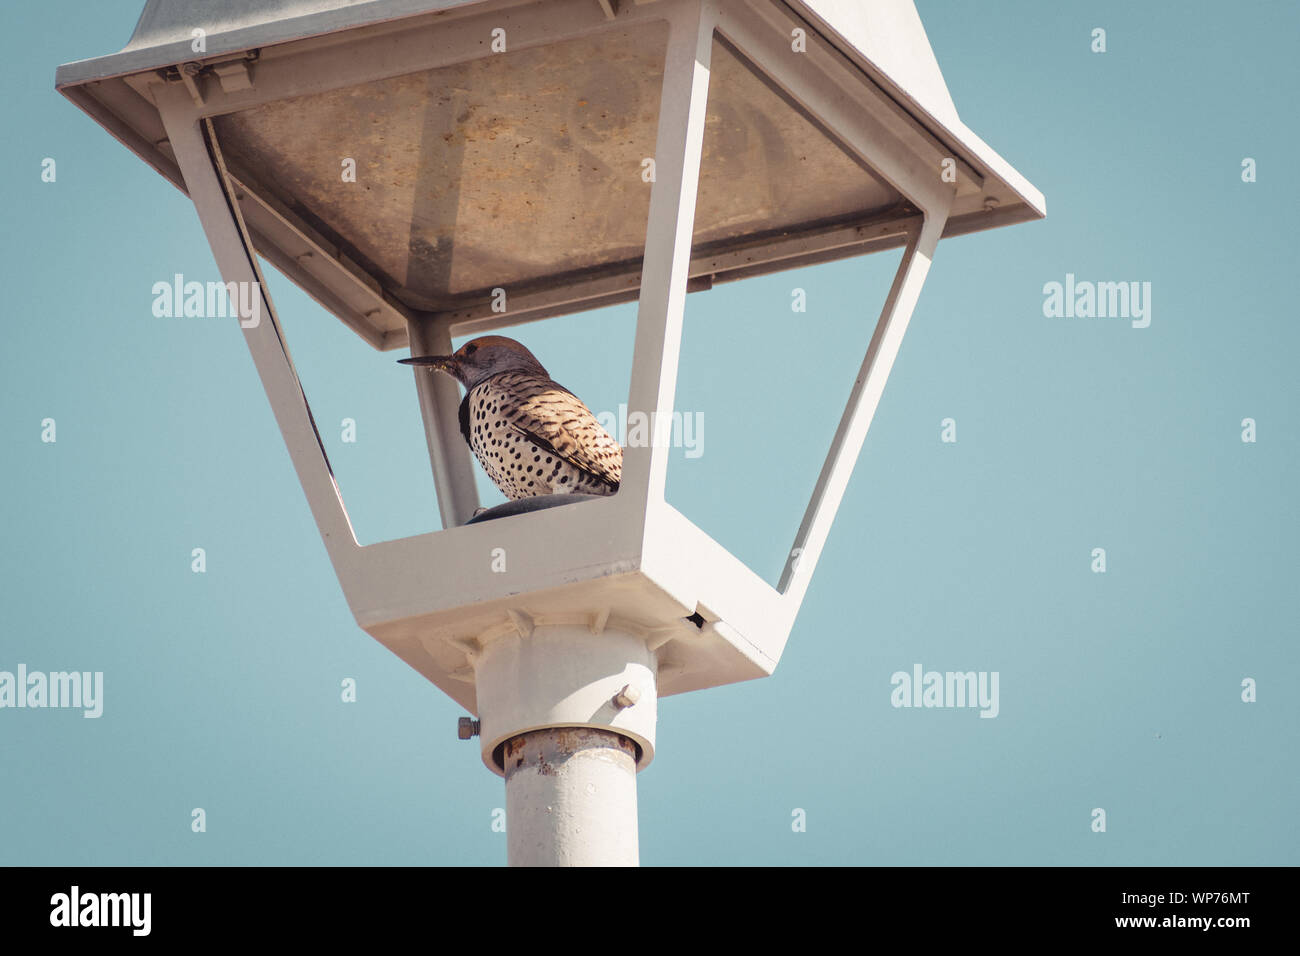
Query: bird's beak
{"type": "Point", "coordinates": [444, 363]}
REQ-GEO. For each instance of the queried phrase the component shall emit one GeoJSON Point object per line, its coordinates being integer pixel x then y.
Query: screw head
{"type": "Point", "coordinates": [467, 727]}
{"type": "Point", "coordinates": [628, 696]}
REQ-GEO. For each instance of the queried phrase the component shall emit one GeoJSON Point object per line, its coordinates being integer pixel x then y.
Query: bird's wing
{"type": "Point", "coordinates": [556, 419]}
{"type": "Point", "coordinates": [462, 414]}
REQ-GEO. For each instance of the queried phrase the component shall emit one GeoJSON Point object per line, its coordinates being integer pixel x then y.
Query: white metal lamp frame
{"type": "Point", "coordinates": [631, 554]}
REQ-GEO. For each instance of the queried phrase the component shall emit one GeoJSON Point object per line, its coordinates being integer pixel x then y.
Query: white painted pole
{"type": "Point", "coordinates": [571, 799]}
{"type": "Point", "coordinates": [453, 475]}
{"type": "Point", "coordinates": [567, 714]}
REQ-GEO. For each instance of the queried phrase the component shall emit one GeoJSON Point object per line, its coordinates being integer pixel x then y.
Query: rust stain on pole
{"type": "Point", "coordinates": [548, 750]}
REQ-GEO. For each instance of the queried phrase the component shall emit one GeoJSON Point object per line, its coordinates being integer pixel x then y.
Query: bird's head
{"type": "Point", "coordinates": [480, 359]}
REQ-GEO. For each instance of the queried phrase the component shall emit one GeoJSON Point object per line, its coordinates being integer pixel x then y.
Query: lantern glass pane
{"type": "Point", "coordinates": [530, 169]}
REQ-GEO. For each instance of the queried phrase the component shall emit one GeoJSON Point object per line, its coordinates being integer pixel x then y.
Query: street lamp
{"type": "Point", "coordinates": [435, 168]}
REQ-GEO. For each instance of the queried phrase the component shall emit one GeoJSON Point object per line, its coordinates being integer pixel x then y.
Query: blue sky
{"type": "Point", "coordinates": [1119, 690]}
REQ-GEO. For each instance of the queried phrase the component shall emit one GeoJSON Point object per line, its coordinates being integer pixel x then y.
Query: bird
{"type": "Point", "coordinates": [531, 434]}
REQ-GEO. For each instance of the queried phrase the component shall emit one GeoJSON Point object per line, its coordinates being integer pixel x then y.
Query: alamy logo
{"type": "Point", "coordinates": [638, 430]}
{"type": "Point", "coordinates": [102, 909]}
{"type": "Point", "coordinates": [198, 300]}
{"type": "Point", "coordinates": [82, 689]}
{"type": "Point", "coordinates": [1099, 300]}
{"type": "Point", "coordinates": [946, 689]}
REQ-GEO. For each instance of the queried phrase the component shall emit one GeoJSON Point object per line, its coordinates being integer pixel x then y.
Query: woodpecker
{"type": "Point", "coordinates": [531, 434]}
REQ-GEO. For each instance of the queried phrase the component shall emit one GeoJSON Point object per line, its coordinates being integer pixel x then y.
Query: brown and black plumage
{"type": "Point", "coordinates": [531, 434]}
